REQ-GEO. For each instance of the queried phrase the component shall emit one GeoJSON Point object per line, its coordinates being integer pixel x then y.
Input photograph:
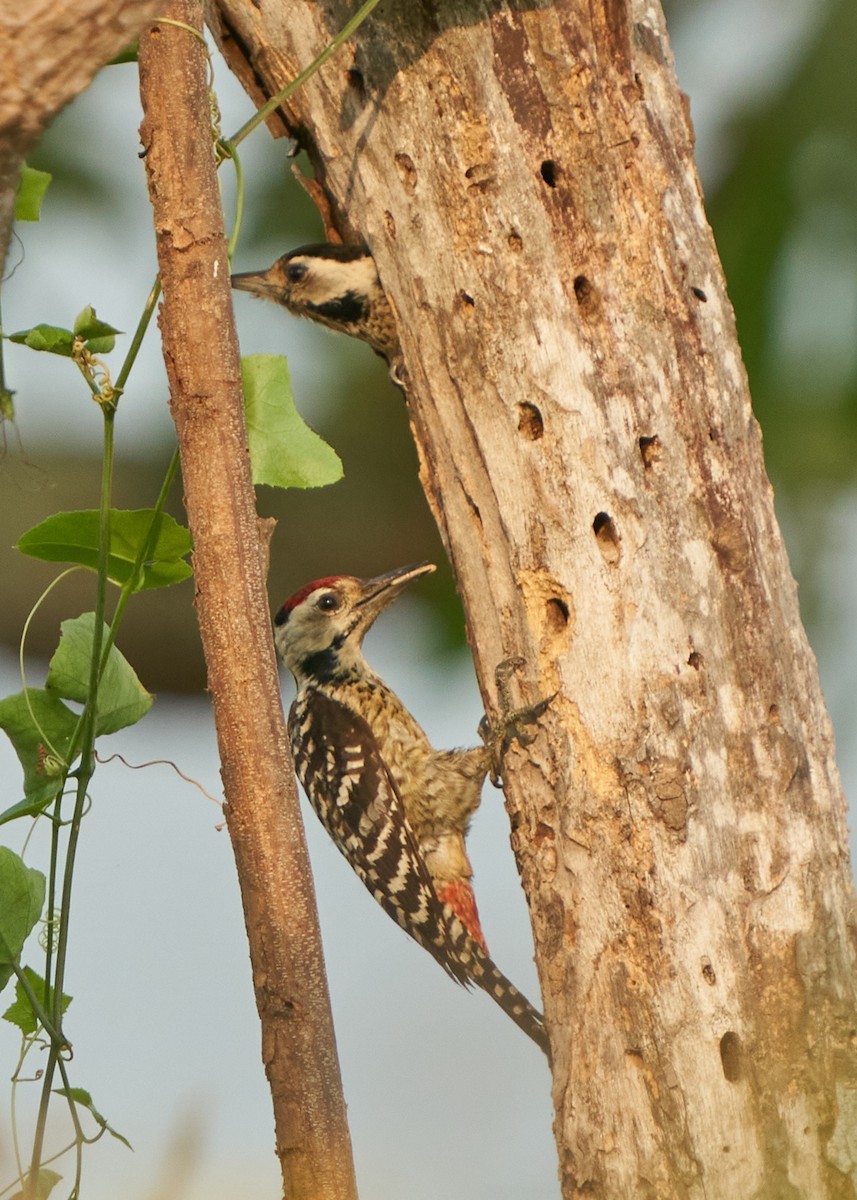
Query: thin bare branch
{"type": "Point", "coordinates": [201, 355]}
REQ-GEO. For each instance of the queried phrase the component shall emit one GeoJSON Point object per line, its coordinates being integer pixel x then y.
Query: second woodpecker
{"type": "Point", "coordinates": [396, 808]}
{"type": "Point", "coordinates": [335, 284]}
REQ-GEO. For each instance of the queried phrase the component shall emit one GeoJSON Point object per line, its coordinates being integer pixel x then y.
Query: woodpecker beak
{"type": "Point", "coordinates": [258, 283]}
{"type": "Point", "coordinates": [377, 593]}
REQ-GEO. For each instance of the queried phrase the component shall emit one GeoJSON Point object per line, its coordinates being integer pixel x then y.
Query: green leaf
{"type": "Point", "coordinates": [46, 1182]}
{"type": "Point", "coordinates": [82, 1097]}
{"type": "Point", "coordinates": [22, 897]}
{"type": "Point", "coordinates": [31, 192]}
{"type": "Point", "coordinates": [28, 807]}
{"type": "Point", "coordinates": [122, 699]}
{"type": "Point", "coordinates": [36, 743]}
{"type": "Point", "coordinates": [73, 537]}
{"type": "Point", "coordinates": [20, 1012]}
{"type": "Point", "coordinates": [284, 451]}
{"type": "Point", "coordinates": [100, 337]}
{"type": "Point", "coordinates": [51, 338]}
{"type": "Point", "coordinates": [41, 727]}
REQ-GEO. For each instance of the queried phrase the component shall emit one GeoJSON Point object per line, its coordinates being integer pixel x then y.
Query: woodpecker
{"type": "Point", "coordinates": [396, 808]}
{"type": "Point", "coordinates": [334, 284]}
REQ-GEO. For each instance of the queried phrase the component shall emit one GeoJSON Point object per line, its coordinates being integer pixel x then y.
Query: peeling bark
{"type": "Point", "coordinates": [524, 177]}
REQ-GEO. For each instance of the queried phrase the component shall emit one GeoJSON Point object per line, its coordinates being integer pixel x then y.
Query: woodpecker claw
{"type": "Point", "coordinates": [499, 736]}
{"type": "Point", "coordinates": [398, 372]}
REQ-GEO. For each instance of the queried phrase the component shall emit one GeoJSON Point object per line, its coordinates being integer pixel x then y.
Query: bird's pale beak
{"type": "Point", "coordinates": [377, 593]}
{"type": "Point", "coordinates": [258, 283]}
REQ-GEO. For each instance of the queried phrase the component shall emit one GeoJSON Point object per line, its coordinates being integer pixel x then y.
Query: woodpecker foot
{"type": "Point", "coordinates": [498, 737]}
{"type": "Point", "coordinates": [398, 372]}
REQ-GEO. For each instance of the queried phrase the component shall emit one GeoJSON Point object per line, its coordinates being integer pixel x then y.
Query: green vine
{"type": "Point", "coordinates": [133, 551]}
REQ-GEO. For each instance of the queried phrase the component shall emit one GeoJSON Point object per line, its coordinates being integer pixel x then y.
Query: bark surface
{"type": "Point", "coordinates": [201, 356]}
{"type": "Point", "coordinates": [524, 176]}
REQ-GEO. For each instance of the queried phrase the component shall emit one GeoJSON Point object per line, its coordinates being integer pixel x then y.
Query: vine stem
{"type": "Point", "coordinates": [101, 646]}
{"type": "Point", "coordinates": [332, 46]}
{"type": "Point", "coordinates": [84, 775]}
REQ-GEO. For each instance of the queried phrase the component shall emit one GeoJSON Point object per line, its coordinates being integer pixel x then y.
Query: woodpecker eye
{"type": "Point", "coordinates": [296, 271]}
{"type": "Point", "coordinates": [329, 602]}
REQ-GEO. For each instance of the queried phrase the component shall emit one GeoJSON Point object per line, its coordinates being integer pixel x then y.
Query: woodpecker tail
{"type": "Point", "coordinates": [512, 1002]}
{"type": "Point", "coordinates": [472, 949]}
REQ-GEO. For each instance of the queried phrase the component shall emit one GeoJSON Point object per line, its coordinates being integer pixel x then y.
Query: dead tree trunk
{"type": "Point", "coordinates": [524, 177]}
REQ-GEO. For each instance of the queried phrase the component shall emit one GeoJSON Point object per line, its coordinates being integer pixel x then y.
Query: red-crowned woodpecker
{"type": "Point", "coordinates": [396, 808]}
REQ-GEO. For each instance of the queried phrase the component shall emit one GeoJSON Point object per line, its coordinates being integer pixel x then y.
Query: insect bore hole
{"type": "Point", "coordinates": [730, 1056]}
{"type": "Point", "coordinates": [650, 450]}
{"type": "Point", "coordinates": [607, 536]}
{"type": "Point", "coordinates": [356, 81]}
{"type": "Point", "coordinates": [582, 289]}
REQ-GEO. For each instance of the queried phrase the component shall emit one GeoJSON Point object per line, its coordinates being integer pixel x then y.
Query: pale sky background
{"type": "Point", "coordinates": [445, 1096]}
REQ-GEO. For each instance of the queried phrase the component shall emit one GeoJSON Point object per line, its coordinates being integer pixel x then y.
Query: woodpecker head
{"type": "Point", "coordinates": [322, 281]}
{"type": "Point", "coordinates": [319, 631]}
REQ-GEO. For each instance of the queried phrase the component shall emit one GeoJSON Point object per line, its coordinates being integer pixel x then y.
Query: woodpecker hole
{"type": "Point", "coordinates": [696, 660]}
{"type": "Point", "coordinates": [708, 972]}
{"type": "Point", "coordinates": [583, 290]}
{"type": "Point", "coordinates": [700, 294]}
{"type": "Point", "coordinates": [650, 450]}
{"type": "Point", "coordinates": [607, 536]}
{"type": "Point", "coordinates": [557, 615]}
{"type": "Point", "coordinates": [730, 1056]}
{"type": "Point", "coordinates": [530, 422]}
{"type": "Point", "coordinates": [466, 299]}
{"type": "Point", "coordinates": [390, 224]}
{"type": "Point", "coordinates": [356, 82]}
{"type": "Point", "coordinates": [515, 242]}
{"type": "Point", "coordinates": [550, 172]}
{"type": "Point", "coordinates": [407, 170]}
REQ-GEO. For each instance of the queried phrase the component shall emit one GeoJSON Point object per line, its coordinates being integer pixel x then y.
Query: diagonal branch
{"type": "Point", "coordinates": [201, 355]}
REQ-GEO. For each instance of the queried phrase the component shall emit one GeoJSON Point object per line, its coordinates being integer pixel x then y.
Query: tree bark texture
{"type": "Point", "coordinates": [50, 51]}
{"type": "Point", "coordinates": [524, 176]}
{"type": "Point", "coordinates": [201, 355]}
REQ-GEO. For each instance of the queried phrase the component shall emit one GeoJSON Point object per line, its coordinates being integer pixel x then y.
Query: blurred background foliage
{"type": "Point", "coordinates": [785, 218]}
{"type": "Point", "coordinates": [772, 94]}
